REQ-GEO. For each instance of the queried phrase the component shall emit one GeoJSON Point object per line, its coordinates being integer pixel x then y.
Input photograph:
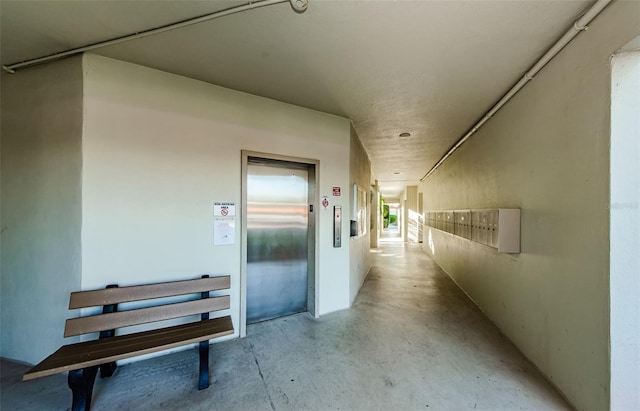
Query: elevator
{"type": "Point", "coordinates": [280, 238]}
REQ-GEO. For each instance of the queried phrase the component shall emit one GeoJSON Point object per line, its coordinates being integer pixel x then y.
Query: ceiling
{"type": "Point", "coordinates": [430, 68]}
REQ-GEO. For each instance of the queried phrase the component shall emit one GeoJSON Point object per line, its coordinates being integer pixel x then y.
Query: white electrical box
{"type": "Point", "coordinates": [509, 230]}
{"type": "Point", "coordinates": [497, 228]}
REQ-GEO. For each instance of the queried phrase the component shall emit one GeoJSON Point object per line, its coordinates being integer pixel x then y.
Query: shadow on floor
{"type": "Point", "coordinates": [412, 341]}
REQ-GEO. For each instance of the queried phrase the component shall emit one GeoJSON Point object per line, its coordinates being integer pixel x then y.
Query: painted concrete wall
{"type": "Point", "coordinates": [625, 231]}
{"type": "Point", "coordinates": [410, 222]}
{"type": "Point", "coordinates": [547, 152]}
{"type": "Point", "coordinates": [360, 258]}
{"type": "Point", "coordinates": [41, 213]}
{"type": "Point", "coordinates": [159, 148]}
{"type": "Point", "coordinates": [376, 223]}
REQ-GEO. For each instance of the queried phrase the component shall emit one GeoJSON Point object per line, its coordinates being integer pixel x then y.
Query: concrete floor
{"type": "Point", "coordinates": [412, 341]}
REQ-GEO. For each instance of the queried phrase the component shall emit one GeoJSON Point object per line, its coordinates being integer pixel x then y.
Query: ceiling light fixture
{"type": "Point", "coordinates": [299, 6]}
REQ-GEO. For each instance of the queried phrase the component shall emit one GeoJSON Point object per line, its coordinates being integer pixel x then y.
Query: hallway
{"type": "Point", "coordinates": [412, 341]}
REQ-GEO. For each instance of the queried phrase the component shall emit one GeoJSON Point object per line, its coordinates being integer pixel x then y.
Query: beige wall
{"type": "Point", "coordinates": [376, 224]}
{"type": "Point", "coordinates": [360, 174]}
{"type": "Point", "coordinates": [547, 152]}
{"type": "Point", "coordinates": [41, 190]}
{"type": "Point", "coordinates": [410, 213]}
{"type": "Point", "coordinates": [159, 148]}
{"type": "Point", "coordinates": [116, 187]}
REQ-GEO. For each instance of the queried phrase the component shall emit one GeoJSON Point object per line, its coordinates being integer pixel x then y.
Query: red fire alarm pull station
{"type": "Point", "coordinates": [336, 191]}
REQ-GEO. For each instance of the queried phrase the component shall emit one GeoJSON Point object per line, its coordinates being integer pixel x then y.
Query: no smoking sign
{"type": "Point", "coordinates": [222, 209]}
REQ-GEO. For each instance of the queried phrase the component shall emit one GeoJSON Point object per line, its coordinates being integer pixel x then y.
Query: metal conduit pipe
{"type": "Point", "coordinates": [579, 26]}
{"type": "Point", "coordinates": [298, 5]}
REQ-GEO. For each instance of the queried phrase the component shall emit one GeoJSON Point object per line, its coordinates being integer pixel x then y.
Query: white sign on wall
{"type": "Point", "coordinates": [224, 209]}
{"type": "Point", "coordinates": [224, 231]}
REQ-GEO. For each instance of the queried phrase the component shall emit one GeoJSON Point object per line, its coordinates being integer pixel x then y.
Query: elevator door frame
{"type": "Point", "coordinates": [314, 219]}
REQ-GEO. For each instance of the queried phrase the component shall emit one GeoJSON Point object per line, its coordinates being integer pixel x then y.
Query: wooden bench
{"type": "Point", "coordinates": [83, 359]}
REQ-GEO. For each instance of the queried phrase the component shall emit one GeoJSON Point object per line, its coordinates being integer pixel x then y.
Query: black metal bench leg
{"type": "Point", "coordinates": [107, 370]}
{"type": "Point", "coordinates": [204, 365]}
{"type": "Point", "coordinates": [203, 380]}
{"type": "Point", "coordinates": [81, 384]}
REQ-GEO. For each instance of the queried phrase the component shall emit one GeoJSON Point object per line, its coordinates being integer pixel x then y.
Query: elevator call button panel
{"type": "Point", "coordinates": [337, 226]}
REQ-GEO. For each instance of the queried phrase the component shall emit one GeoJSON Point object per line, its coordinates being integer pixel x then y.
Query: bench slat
{"type": "Point", "coordinates": [97, 352]}
{"type": "Point", "coordinates": [93, 298]}
{"type": "Point", "coordinates": [102, 322]}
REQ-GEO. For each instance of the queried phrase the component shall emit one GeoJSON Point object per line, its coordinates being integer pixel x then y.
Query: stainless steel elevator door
{"type": "Point", "coordinates": [277, 235]}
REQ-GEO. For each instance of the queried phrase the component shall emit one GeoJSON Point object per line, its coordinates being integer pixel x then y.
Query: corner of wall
{"type": "Point", "coordinates": [359, 256]}
{"type": "Point", "coordinates": [41, 197]}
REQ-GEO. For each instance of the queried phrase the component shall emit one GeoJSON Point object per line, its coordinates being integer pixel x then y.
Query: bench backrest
{"type": "Point", "coordinates": [117, 295]}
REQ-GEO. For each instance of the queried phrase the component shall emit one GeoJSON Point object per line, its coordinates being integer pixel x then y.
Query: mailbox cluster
{"type": "Point", "coordinates": [498, 228]}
